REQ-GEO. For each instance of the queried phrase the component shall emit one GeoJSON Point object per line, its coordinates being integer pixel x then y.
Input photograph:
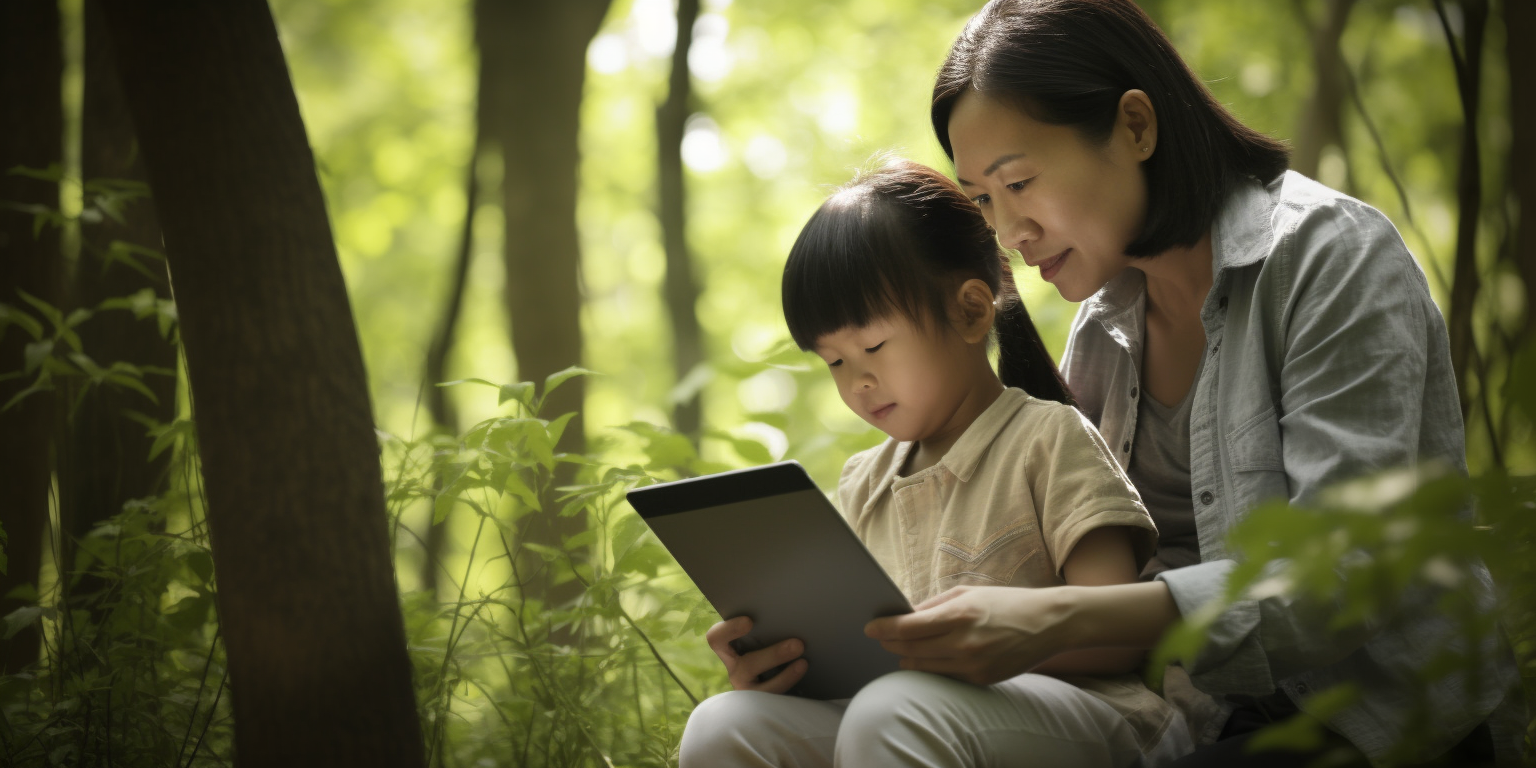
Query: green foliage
{"type": "Point", "coordinates": [605, 678]}
{"type": "Point", "coordinates": [134, 670]}
{"type": "Point", "coordinates": [1371, 550]}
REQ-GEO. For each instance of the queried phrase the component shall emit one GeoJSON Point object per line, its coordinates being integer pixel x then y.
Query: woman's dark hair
{"type": "Point", "coordinates": [1068, 62]}
{"type": "Point", "coordinates": [900, 239]}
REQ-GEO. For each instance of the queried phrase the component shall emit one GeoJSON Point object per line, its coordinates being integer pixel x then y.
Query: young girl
{"type": "Point", "coordinates": [985, 484]}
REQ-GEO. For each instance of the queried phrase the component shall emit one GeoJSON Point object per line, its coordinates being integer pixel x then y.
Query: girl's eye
{"type": "Point", "coordinates": [835, 363]}
{"type": "Point", "coordinates": [874, 349]}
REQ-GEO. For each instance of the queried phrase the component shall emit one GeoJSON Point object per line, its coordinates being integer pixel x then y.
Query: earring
{"type": "Point", "coordinates": [1146, 149]}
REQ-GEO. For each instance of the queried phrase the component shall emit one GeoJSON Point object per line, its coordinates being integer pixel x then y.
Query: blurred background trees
{"type": "Point", "coordinates": [516, 188]}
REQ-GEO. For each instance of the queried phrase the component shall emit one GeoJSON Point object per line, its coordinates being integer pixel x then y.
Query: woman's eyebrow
{"type": "Point", "coordinates": [991, 169]}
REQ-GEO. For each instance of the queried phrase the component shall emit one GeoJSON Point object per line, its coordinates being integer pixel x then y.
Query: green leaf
{"type": "Point", "coordinates": [457, 382]}
{"type": "Point", "coordinates": [52, 315]}
{"type": "Point", "coordinates": [518, 487]}
{"type": "Point", "coordinates": [35, 354]}
{"type": "Point", "coordinates": [522, 392]}
{"type": "Point", "coordinates": [554, 380]}
{"type": "Point", "coordinates": [21, 618]}
{"type": "Point", "coordinates": [10, 315]}
{"type": "Point", "coordinates": [556, 428]}
{"type": "Point", "coordinates": [689, 386]}
{"type": "Point", "coordinates": [77, 317]}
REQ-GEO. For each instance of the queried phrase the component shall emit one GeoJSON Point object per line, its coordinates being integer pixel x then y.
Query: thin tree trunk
{"type": "Point", "coordinates": [104, 462]}
{"type": "Point", "coordinates": [1519, 30]}
{"type": "Point", "coordinates": [533, 65]}
{"type": "Point", "coordinates": [682, 290]}
{"type": "Point", "coordinates": [31, 135]}
{"type": "Point", "coordinates": [307, 603]}
{"type": "Point", "coordinates": [443, 414]}
{"type": "Point", "coordinates": [1322, 121]}
{"type": "Point", "coordinates": [1465, 281]}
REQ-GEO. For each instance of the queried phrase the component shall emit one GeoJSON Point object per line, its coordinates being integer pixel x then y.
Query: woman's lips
{"type": "Point", "coordinates": [1048, 269]}
{"type": "Point", "coordinates": [883, 411]}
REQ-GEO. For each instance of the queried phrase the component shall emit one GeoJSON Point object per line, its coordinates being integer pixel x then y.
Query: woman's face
{"type": "Point", "coordinates": [1068, 206]}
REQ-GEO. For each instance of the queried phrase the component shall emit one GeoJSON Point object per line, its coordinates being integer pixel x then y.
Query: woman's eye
{"type": "Point", "coordinates": [875, 348]}
{"type": "Point", "coordinates": [981, 199]}
{"type": "Point", "coordinates": [1019, 185]}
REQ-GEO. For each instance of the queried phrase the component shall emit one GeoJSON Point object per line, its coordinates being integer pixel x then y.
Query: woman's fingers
{"type": "Point", "coordinates": [931, 621]}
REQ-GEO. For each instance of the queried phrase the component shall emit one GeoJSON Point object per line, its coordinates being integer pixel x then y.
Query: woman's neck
{"type": "Point", "coordinates": [1178, 280]}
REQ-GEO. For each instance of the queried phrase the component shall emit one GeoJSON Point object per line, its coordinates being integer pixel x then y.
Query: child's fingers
{"type": "Point", "coordinates": [722, 633]}
{"type": "Point", "coordinates": [785, 680]}
{"type": "Point", "coordinates": [750, 665]}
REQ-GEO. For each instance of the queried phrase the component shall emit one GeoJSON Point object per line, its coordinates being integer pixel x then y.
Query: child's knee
{"type": "Point", "coordinates": [905, 699]}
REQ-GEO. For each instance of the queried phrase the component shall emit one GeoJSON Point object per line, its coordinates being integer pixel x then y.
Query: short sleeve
{"type": "Point", "coordinates": [1078, 486]}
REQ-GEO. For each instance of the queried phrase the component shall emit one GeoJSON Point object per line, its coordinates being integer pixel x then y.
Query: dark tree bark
{"type": "Point", "coordinates": [104, 460]}
{"type": "Point", "coordinates": [1519, 30]}
{"type": "Point", "coordinates": [1467, 58]}
{"type": "Point", "coordinates": [682, 290]}
{"type": "Point", "coordinates": [1322, 122]}
{"type": "Point", "coordinates": [534, 60]}
{"type": "Point", "coordinates": [307, 601]}
{"type": "Point", "coordinates": [31, 135]}
{"type": "Point", "coordinates": [532, 68]}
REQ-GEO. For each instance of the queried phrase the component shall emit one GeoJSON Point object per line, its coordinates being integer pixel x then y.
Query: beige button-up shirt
{"type": "Point", "coordinates": [1004, 507]}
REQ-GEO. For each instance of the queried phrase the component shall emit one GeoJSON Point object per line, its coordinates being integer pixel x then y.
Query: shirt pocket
{"type": "Point", "coordinates": [991, 560]}
{"type": "Point", "coordinates": [1258, 465]}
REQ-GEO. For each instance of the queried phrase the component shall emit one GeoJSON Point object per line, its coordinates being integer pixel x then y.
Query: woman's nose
{"type": "Point", "coordinates": [1015, 229]}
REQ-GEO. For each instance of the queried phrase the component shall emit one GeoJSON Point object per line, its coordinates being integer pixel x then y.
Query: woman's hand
{"type": "Point", "coordinates": [981, 635]}
{"type": "Point", "coordinates": [744, 668]}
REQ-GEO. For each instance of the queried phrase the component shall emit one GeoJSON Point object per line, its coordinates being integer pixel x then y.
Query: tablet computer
{"type": "Point", "coordinates": [766, 543]}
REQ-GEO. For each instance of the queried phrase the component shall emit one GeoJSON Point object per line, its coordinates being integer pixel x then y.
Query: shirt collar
{"type": "Point", "coordinates": [963, 457]}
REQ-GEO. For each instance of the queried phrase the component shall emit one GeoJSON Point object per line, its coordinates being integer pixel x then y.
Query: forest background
{"type": "Point", "coordinates": [595, 198]}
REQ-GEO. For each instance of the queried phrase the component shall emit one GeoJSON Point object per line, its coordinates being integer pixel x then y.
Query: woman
{"type": "Point", "coordinates": [1245, 333]}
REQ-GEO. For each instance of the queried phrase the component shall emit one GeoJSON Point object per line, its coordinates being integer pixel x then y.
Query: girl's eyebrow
{"type": "Point", "coordinates": [991, 169]}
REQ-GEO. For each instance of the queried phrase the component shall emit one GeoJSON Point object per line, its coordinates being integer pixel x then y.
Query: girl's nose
{"type": "Point", "coordinates": [864, 382]}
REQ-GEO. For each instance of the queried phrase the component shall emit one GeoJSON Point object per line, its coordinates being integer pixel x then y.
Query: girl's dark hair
{"type": "Point", "coordinates": [1068, 62]}
{"type": "Point", "coordinates": [900, 239]}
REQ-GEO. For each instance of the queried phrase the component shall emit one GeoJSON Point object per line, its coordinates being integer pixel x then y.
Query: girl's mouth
{"type": "Point", "coordinates": [1049, 269]}
{"type": "Point", "coordinates": [882, 411]}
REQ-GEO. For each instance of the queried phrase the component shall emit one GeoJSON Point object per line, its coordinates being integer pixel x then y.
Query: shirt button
{"type": "Point", "coordinates": [1301, 689]}
{"type": "Point", "coordinates": [1215, 347]}
{"type": "Point", "coordinates": [1133, 393]}
{"type": "Point", "coordinates": [1207, 498]}
{"type": "Point", "coordinates": [1222, 302]}
{"type": "Point", "coordinates": [1126, 447]}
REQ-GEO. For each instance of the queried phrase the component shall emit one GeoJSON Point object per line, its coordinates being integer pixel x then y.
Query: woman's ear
{"type": "Point", "coordinates": [1137, 124]}
{"type": "Point", "coordinates": [974, 311]}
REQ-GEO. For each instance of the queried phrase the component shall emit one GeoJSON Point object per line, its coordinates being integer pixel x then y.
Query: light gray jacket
{"type": "Point", "coordinates": [1326, 360]}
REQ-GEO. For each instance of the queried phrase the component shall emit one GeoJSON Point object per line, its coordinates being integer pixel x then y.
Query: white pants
{"type": "Point", "coordinates": [919, 719]}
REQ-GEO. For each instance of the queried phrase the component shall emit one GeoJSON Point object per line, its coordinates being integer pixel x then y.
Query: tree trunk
{"type": "Point", "coordinates": [307, 602]}
{"type": "Point", "coordinates": [1322, 122]}
{"type": "Point", "coordinates": [31, 135]}
{"type": "Point", "coordinates": [1519, 29]}
{"type": "Point", "coordinates": [103, 462]}
{"type": "Point", "coordinates": [1465, 281]}
{"type": "Point", "coordinates": [682, 290]}
{"type": "Point", "coordinates": [532, 66]}
{"type": "Point", "coordinates": [443, 414]}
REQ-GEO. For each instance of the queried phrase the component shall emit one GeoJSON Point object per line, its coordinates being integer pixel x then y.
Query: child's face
{"type": "Point", "coordinates": [906, 380]}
